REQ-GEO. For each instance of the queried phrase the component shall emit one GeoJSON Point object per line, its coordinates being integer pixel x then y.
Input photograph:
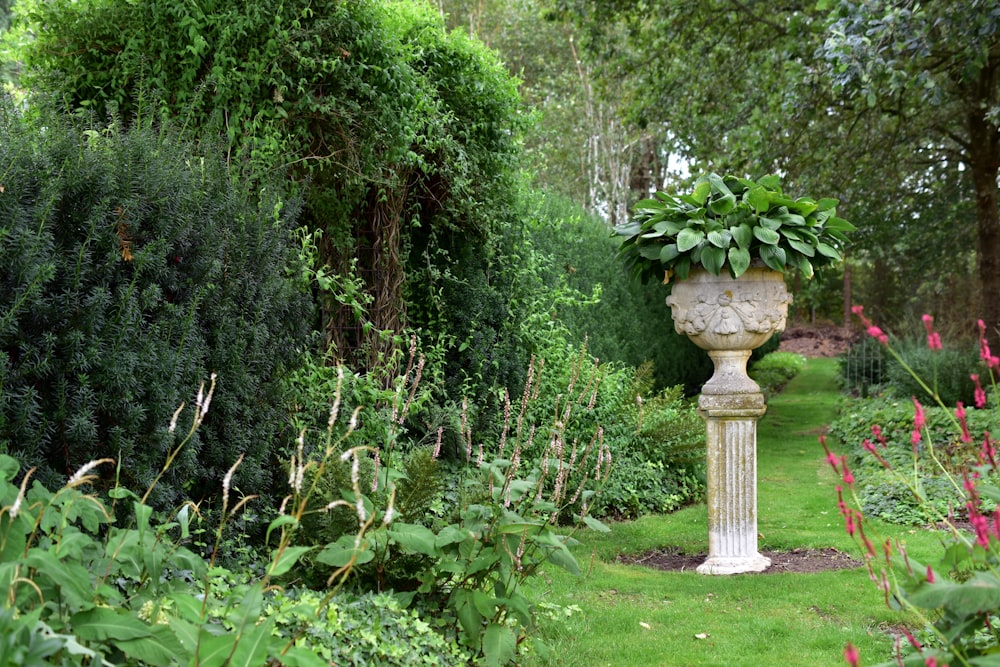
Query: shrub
{"type": "Point", "coordinates": [132, 267]}
{"type": "Point", "coordinates": [945, 371]}
{"type": "Point", "coordinates": [773, 371]}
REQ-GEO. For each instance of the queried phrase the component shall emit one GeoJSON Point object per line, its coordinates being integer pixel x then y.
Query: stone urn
{"type": "Point", "coordinates": [730, 318]}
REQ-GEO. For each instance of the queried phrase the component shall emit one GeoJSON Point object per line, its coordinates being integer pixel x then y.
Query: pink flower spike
{"type": "Point", "coordinates": [979, 394]}
{"type": "Point", "coordinates": [851, 655]}
{"type": "Point", "coordinates": [960, 414]}
{"type": "Point", "coordinates": [919, 419]}
{"type": "Point", "coordinates": [877, 432]}
{"type": "Point", "coordinates": [930, 575]}
{"type": "Point", "coordinates": [878, 334]}
{"type": "Point", "coordinates": [847, 475]}
{"type": "Point", "coordinates": [934, 341]}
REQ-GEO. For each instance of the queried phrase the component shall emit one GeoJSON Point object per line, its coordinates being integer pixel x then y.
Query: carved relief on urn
{"type": "Point", "coordinates": [723, 313]}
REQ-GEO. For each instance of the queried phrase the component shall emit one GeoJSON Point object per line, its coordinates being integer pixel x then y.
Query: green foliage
{"type": "Point", "coordinates": [773, 371]}
{"type": "Point", "coordinates": [946, 371]}
{"type": "Point", "coordinates": [578, 258]}
{"type": "Point", "coordinates": [731, 222]}
{"type": "Point", "coordinates": [133, 268]}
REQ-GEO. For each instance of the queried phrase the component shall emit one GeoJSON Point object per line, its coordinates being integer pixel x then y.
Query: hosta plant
{"type": "Point", "coordinates": [729, 223]}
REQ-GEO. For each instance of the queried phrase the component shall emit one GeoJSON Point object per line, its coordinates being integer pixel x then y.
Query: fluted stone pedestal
{"type": "Point", "coordinates": [730, 318]}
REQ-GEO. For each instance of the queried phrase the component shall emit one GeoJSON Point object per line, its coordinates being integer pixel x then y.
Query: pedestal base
{"type": "Point", "coordinates": [734, 564]}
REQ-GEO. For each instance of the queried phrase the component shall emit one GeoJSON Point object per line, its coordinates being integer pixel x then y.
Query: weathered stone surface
{"type": "Point", "coordinates": [730, 318]}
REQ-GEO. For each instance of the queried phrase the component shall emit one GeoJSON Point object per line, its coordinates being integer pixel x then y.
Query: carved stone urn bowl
{"type": "Point", "coordinates": [730, 317]}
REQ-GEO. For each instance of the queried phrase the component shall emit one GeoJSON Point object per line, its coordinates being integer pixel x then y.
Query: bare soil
{"type": "Point", "coordinates": [817, 341]}
{"type": "Point", "coordinates": [796, 560]}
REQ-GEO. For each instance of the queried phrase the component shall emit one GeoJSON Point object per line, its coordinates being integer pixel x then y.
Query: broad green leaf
{"type": "Point", "coordinates": [719, 185]}
{"type": "Point", "coordinates": [102, 623]}
{"type": "Point", "coordinates": [712, 259]}
{"type": "Point", "coordinates": [771, 182]}
{"type": "Point", "coordinates": [689, 238]}
{"type": "Point", "coordinates": [186, 633]}
{"type": "Point", "coordinates": [682, 269]}
{"type": "Point", "coordinates": [724, 205]}
{"type": "Point", "coordinates": [630, 228]}
{"type": "Point", "coordinates": [283, 520]}
{"type": "Point", "coordinates": [802, 247]}
{"type": "Point", "coordinates": [650, 250]}
{"type": "Point", "coordinates": [160, 648]}
{"type": "Point", "coordinates": [341, 552]}
{"type": "Point", "coordinates": [739, 261]}
{"type": "Point", "coordinates": [251, 651]}
{"type": "Point", "coordinates": [701, 192]}
{"type": "Point", "coordinates": [564, 559]}
{"type": "Point", "coordinates": [980, 593]}
{"type": "Point", "coordinates": [414, 538]}
{"type": "Point", "coordinates": [451, 535]}
{"type": "Point", "coordinates": [71, 579]}
{"type": "Point", "coordinates": [669, 253]}
{"type": "Point", "coordinates": [758, 199]}
{"type": "Point", "coordinates": [768, 236]}
{"type": "Point", "coordinates": [770, 223]}
{"type": "Point", "coordinates": [286, 560]}
{"type": "Point", "coordinates": [468, 616]}
{"type": "Point", "coordinates": [594, 524]}
{"type": "Point", "coordinates": [8, 467]}
{"type": "Point", "coordinates": [805, 205]}
{"type": "Point", "coordinates": [485, 604]}
{"type": "Point", "coordinates": [828, 251]}
{"type": "Point", "coordinates": [720, 238]}
{"type": "Point", "coordinates": [649, 204]}
{"type": "Point", "coordinates": [299, 656]}
{"type": "Point", "coordinates": [992, 660]}
{"type": "Point", "coordinates": [839, 225]}
{"type": "Point", "coordinates": [773, 256]}
{"type": "Point", "coordinates": [214, 650]}
{"type": "Point", "coordinates": [826, 204]}
{"type": "Point", "coordinates": [498, 645]}
{"type": "Point", "coordinates": [743, 235]}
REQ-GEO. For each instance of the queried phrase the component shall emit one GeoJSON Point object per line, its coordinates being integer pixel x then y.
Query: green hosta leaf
{"type": "Point", "coordinates": [669, 253]}
{"type": "Point", "coordinates": [765, 235]}
{"type": "Point", "coordinates": [719, 185]}
{"type": "Point", "coordinates": [682, 269]}
{"type": "Point", "coordinates": [689, 238]}
{"type": "Point", "coordinates": [650, 250]}
{"type": "Point", "coordinates": [804, 205]}
{"type": "Point", "coordinates": [498, 645]}
{"type": "Point", "coordinates": [712, 259]}
{"type": "Point", "coordinates": [739, 261]}
{"type": "Point", "coordinates": [630, 228]}
{"type": "Point", "coordinates": [792, 219]}
{"type": "Point", "coordinates": [773, 256]}
{"type": "Point", "coordinates": [839, 225]}
{"type": "Point", "coordinates": [771, 182]}
{"type": "Point", "coordinates": [701, 192]}
{"type": "Point", "coordinates": [826, 204]}
{"type": "Point", "coordinates": [828, 251]}
{"type": "Point", "coordinates": [649, 204]}
{"type": "Point", "coordinates": [802, 247]}
{"type": "Point", "coordinates": [724, 205]}
{"type": "Point", "coordinates": [720, 238]}
{"type": "Point", "coordinates": [743, 235]}
{"type": "Point", "coordinates": [758, 199]}
{"type": "Point", "coordinates": [770, 223]}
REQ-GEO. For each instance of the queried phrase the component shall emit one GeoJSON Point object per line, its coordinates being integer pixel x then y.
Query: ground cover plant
{"type": "Point", "coordinates": [952, 594]}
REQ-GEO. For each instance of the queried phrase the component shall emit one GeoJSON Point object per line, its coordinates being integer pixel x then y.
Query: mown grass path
{"type": "Point", "coordinates": [633, 616]}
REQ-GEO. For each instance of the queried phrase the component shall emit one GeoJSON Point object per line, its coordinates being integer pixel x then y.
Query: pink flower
{"type": "Point", "coordinates": [933, 338]}
{"type": "Point", "coordinates": [878, 334]}
{"type": "Point", "coordinates": [960, 414]}
{"type": "Point", "coordinates": [919, 419]}
{"type": "Point", "coordinates": [877, 432]}
{"type": "Point", "coordinates": [847, 475]}
{"type": "Point", "coordinates": [930, 575]}
{"type": "Point", "coordinates": [980, 395]}
{"type": "Point", "coordinates": [980, 524]}
{"type": "Point", "coordinates": [851, 655]}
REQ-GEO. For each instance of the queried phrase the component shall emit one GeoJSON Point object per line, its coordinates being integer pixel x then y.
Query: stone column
{"type": "Point", "coordinates": [730, 318]}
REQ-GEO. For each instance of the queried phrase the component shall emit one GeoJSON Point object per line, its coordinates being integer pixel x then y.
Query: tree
{"type": "Point", "coordinates": [933, 69]}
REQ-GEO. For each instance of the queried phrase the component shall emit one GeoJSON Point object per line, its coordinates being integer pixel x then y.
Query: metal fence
{"type": "Point", "coordinates": [864, 365]}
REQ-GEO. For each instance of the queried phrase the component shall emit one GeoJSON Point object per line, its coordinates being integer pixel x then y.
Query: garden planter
{"type": "Point", "coordinates": [729, 318]}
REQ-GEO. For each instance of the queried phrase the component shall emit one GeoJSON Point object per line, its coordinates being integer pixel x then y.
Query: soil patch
{"type": "Point", "coordinates": [796, 560]}
{"type": "Point", "coordinates": [820, 341]}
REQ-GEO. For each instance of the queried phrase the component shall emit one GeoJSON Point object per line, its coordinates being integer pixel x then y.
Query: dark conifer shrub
{"type": "Point", "coordinates": [131, 268]}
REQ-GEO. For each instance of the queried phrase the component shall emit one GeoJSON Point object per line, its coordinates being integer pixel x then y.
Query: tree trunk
{"type": "Point", "coordinates": [984, 163]}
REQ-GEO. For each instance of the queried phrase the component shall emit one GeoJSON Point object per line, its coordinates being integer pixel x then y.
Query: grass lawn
{"type": "Point", "coordinates": [631, 616]}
